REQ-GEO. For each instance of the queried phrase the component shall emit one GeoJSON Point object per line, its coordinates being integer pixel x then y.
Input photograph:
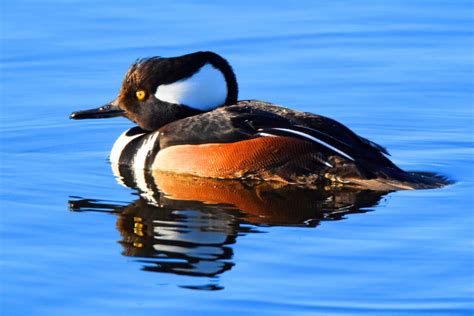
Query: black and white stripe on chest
{"type": "Point", "coordinates": [135, 148]}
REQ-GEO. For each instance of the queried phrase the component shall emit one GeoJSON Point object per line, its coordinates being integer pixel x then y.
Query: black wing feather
{"type": "Point", "coordinates": [249, 119]}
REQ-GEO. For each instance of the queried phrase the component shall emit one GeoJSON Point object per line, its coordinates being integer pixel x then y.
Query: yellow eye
{"type": "Point", "coordinates": [140, 95]}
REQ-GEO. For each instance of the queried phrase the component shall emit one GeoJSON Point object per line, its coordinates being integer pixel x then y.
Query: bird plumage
{"type": "Point", "coordinates": [188, 104]}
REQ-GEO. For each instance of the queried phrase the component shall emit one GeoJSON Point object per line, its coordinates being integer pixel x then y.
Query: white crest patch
{"type": "Point", "coordinates": [204, 90]}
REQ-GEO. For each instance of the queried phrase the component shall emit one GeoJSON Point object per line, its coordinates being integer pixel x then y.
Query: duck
{"type": "Point", "coordinates": [190, 122]}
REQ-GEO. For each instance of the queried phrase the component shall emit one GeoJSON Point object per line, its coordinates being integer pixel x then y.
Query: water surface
{"type": "Point", "coordinates": [75, 241]}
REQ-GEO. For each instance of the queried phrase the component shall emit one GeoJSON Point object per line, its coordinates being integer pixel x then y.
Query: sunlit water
{"type": "Point", "coordinates": [75, 242]}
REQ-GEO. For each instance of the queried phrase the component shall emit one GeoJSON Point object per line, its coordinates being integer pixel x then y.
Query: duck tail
{"type": "Point", "coordinates": [416, 180]}
{"type": "Point", "coordinates": [403, 180]}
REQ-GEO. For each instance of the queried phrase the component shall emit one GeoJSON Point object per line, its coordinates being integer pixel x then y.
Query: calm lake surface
{"type": "Point", "coordinates": [75, 240]}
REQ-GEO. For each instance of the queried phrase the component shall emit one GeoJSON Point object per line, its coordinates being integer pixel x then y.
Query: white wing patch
{"type": "Point", "coordinates": [204, 90]}
{"type": "Point", "coordinates": [314, 139]}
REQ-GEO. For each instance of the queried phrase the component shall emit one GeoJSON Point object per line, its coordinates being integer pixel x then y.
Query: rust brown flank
{"type": "Point", "coordinates": [231, 160]}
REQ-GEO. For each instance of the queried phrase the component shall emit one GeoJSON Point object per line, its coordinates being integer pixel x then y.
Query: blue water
{"type": "Point", "coordinates": [76, 242]}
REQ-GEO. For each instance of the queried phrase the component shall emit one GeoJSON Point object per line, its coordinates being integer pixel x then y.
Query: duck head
{"type": "Point", "coordinates": [157, 91]}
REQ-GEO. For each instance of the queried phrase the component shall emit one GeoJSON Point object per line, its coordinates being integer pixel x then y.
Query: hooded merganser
{"type": "Point", "coordinates": [190, 122]}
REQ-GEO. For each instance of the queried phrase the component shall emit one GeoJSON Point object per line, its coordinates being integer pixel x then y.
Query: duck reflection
{"type": "Point", "coordinates": [177, 239]}
{"type": "Point", "coordinates": [185, 225]}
